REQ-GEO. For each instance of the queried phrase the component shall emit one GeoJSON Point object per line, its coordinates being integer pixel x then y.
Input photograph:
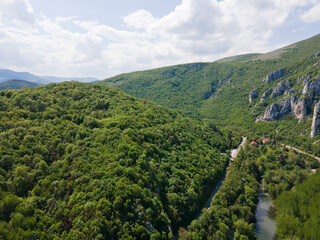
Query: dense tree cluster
{"type": "Point", "coordinates": [298, 211]}
{"type": "Point", "coordinates": [83, 161]}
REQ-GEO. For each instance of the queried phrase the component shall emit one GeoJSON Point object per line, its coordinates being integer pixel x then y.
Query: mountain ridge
{"type": "Point", "coordinates": [220, 90]}
{"type": "Point", "coordinates": [7, 74]}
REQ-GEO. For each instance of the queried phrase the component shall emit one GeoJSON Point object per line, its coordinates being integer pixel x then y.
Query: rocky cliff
{"type": "Point", "coordinates": [312, 88]}
{"type": "Point", "coordinates": [280, 89]}
{"type": "Point", "coordinates": [277, 110]}
{"type": "Point", "coordinates": [300, 108]}
{"type": "Point", "coordinates": [315, 128]}
{"type": "Point", "coordinates": [274, 76]}
{"type": "Point", "coordinates": [297, 107]}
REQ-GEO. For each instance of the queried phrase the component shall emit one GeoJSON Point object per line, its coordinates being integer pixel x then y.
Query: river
{"type": "Point", "coordinates": [265, 214]}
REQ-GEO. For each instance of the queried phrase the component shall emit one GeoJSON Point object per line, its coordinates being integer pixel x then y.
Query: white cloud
{"type": "Point", "coordinates": [312, 14]}
{"type": "Point", "coordinates": [17, 11]}
{"type": "Point", "coordinates": [139, 19]}
{"type": "Point", "coordinates": [196, 30]}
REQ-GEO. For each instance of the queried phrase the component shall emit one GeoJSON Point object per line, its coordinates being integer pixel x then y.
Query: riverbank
{"type": "Point", "coordinates": [233, 155]}
{"type": "Point", "coordinates": [265, 226]}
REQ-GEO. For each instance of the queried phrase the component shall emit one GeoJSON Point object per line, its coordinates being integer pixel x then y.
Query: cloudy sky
{"type": "Point", "coordinates": [101, 38]}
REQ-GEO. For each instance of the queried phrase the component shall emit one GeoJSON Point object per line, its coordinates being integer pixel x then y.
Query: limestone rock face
{"type": "Point", "coordinates": [280, 89]}
{"type": "Point", "coordinates": [297, 107]}
{"type": "Point", "coordinates": [286, 107]}
{"type": "Point", "coordinates": [312, 87]}
{"type": "Point", "coordinates": [310, 90]}
{"type": "Point", "coordinates": [315, 128]}
{"type": "Point", "coordinates": [277, 110]}
{"type": "Point", "coordinates": [300, 109]}
{"type": "Point", "coordinates": [274, 76]}
{"type": "Point", "coordinates": [253, 94]}
{"type": "Point", "coordinates": [272, 113]}
{"type": "Point", "coordinates": [266, 94]}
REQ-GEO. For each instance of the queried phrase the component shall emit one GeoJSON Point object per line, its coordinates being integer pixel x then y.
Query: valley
{"type": "Point", "coordinates": [146, 155]}
{"type": "Point", "coordinates": [273, 96]}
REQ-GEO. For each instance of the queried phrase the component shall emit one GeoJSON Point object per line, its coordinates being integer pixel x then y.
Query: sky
{"type": "Point", "coordinates": [102, 38]}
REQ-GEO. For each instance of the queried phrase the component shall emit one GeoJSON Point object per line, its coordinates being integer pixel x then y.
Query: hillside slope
{"type": "Point", "coordinates": [219, 91]}
{"type": "Point", "coordinates": [84, 161]}
{"type": "Point", "coordinates": [17, 84]}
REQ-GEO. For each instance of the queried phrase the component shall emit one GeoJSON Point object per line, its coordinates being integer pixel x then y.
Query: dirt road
{"type": "Point", "coordinates": [299, 151]}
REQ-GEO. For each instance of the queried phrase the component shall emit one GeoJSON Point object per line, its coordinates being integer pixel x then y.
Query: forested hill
{"type": "Point", "coordinates": [84, 161]}
{"type": "Point", "coordinates": [192, 87]}
{"type": "Point", "coordinates": [220, 91]}
{"type": "Point", "coordinates": [17, 84]}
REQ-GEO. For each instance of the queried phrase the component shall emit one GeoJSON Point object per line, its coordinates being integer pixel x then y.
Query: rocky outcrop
{"type": "Point", "coordinates": [312, 88]}
{"type": "Point", "coordinates": [277, 110]}
{"type": "Point", "coordinates": [253, 94]}
{"type": "Point", "coordinates": [318, 54]}
{"type": "Point", "coordinates": [315, 128]}
{"type": "Point", "coordinates": [303, 78]}
{"type": "Point", "coordinates": [297, 107]}
{"type": "Point", "coordinates": [300, 109]}
{"type": "Point", "coordinates": [280, 89]}
{"type": "Point", "coordinates": [266, 94]}
{"type": "Point", "coordinates": [274, 76]}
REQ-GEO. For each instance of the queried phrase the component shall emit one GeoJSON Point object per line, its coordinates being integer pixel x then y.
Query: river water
{"type": "Point", "coordinates": [265, 214]}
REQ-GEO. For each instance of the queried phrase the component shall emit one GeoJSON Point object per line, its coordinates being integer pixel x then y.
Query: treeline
{"type": "Point", "coordinates": [298, 211]}
{"type": "Point", "coordinates": [83, 161]}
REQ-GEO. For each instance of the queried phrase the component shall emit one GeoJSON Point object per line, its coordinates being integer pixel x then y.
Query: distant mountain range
{"type": "Point", "coordinates": [7, 74]}
{"type": "Point", "coordinates": [65, 79]}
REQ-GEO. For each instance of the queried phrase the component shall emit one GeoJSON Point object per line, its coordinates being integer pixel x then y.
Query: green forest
{"type": "Point", "coordinates": [299, 211]}
{"type": "Point", "coordinates": [83, 161]}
